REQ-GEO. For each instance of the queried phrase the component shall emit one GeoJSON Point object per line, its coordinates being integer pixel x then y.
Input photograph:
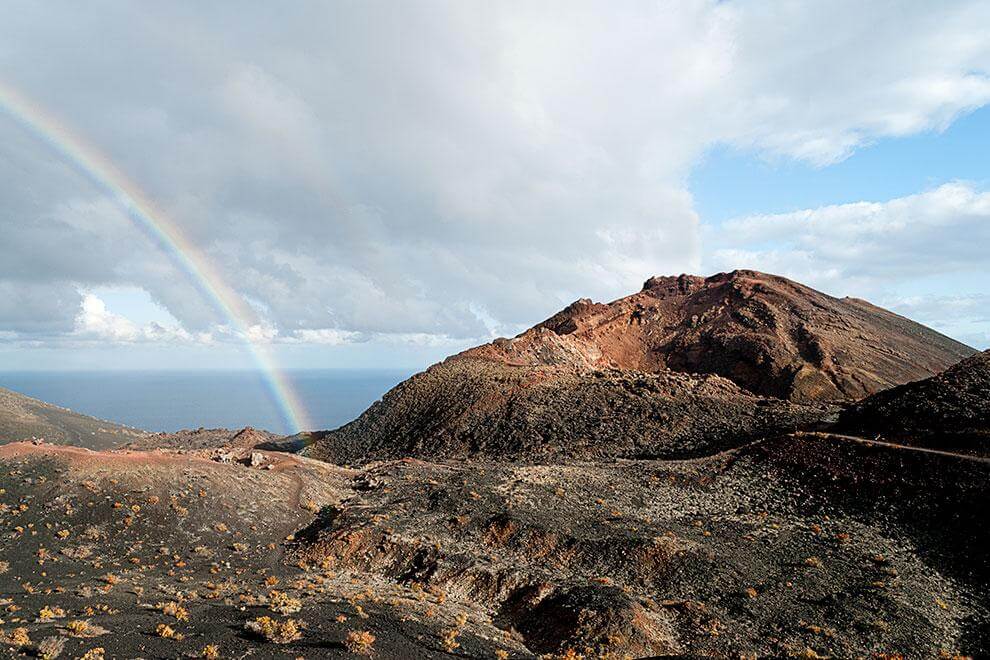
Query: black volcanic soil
{"type": "Point", "coordinates": [24, 418]}
{"type": "Point", "coordinates": [113, 538]}
{"type": "Point", "coordinates": [948, 411]}
{"type": "Point", "coordinates": [793, 546]}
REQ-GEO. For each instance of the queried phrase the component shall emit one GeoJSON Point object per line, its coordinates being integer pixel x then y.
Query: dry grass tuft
{"type": "Point", "coordinates": [210, 652]}
{"type": "Point", "coordinates": [166, 631]}
{"type": "Point", "coordinates": [277, 632]}
{"type": "Point", "coordinates": [173, 609]}
{"type": "Point", "coordinates": [50, 648]}
{"type": "Point", "coordinates": [83, 628]}
{"type": "Point", "coordinates": [17, 637]}
{"type": "Point", "coordinates": [47, 613]}
{"type": "Point", "coordinates": [283, 603]}
{"type": "Point", "coordinates": [359, 642]}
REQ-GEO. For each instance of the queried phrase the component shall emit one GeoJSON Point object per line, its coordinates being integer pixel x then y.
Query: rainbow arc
{"type": "Point", "coordinates": [165, 234]}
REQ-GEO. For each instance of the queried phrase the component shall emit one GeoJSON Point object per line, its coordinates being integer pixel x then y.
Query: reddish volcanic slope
{"type": "Point", "coordinates": [686, 367]}
{"type": "Point", "coordinates": [769, 335]}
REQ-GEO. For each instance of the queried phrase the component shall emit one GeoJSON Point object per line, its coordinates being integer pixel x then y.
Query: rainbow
{"type": "Point", "coordinates": [164, 234]}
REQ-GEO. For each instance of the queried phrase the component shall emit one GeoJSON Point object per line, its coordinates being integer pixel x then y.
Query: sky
{"type": "Point", "coordinates": [381, 184]}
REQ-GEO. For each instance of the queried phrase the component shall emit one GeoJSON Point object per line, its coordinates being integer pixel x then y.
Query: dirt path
{"type": "Point", "coordinates": [282, 467]}
{"type": "Point", "coordinates": [891, 445]}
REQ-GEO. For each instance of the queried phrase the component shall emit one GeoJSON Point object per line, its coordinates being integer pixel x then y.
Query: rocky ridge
{"type": "Point", "coordinates": [769, 335]}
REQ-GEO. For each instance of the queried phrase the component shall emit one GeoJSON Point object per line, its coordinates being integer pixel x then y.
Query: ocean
{"type": "Point", "coordinates": [173, 400]}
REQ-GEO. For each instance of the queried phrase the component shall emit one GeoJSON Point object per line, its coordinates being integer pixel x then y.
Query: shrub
{"type": "Point", "coordinates": [278, 632]}
{"type": "Point", "coordinates": [82, 628]}
{"type": "Point", "coordinates": [50, 648]}
{"type": "Point", "coordinates": [359, 642]}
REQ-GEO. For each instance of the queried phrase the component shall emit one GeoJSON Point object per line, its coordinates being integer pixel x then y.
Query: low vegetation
{"type": "Point", "coordinates": [272, 630]}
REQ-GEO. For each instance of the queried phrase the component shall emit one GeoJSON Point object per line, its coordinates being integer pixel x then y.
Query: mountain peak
{"type": "Point", "coordinates": [766, 333]}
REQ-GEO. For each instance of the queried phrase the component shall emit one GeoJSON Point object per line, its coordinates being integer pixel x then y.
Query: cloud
{"type": "Point", "coordinates": [940, 231]}
{"type": "Point", "coordinates": [817, 80]}
{"type": "Point", "coordinates": [38, 309]}
{"type": "Point", "coordinates": [97, 323]}
{"type": "Point", "coordinates": [922, 255]}
{"type": "Point", "coordinates": [452, 169]}
{"type": "Point", "coordinates": [944, 309]}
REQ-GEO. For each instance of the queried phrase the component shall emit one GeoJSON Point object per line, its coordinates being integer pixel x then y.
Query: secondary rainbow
{"type": "Point", "coordinates": [164, 233]}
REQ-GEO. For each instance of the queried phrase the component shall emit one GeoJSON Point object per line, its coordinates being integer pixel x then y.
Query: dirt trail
{"type": "Point", "coordinates": [295, 498]}
{"type": "Point", "coordinates": [891, 445]}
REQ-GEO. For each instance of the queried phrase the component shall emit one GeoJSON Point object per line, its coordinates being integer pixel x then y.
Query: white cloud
{"type": "Point", "coordinates": [940, 231]}
{"type": "Point", "coordinates": [97, 322]}
{"type": "Point", "coordinates": [945, 308]}
{"type": "Point", "coordinates": [327, 337]}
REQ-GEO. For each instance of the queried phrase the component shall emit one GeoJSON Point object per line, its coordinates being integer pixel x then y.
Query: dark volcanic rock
{"type": "Point", "coordinates": [810, 545]}
{"type": "Point", "coordinates": [473, 408]}
{"type": "Point", "coordinates": [948, 411]}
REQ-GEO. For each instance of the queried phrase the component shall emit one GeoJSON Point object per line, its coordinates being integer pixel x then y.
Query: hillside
{"type": "Point", "coordinates": [24, 418]}
{"type": "Point", "coordinates": [476, 408]}
{"type": "Point", "coordinates": [807, 546]}
{"type": "Point", "coordinates": [949, 411]}
{"type": "Point", "coordinates": [687, 366]}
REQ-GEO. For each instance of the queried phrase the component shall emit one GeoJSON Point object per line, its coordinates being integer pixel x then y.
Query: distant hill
{"type": "Point", "coordinates": [24, 418]}
{"type": "Point", "coordinates": [686, 366]}
{"type": "Point", "coordinates": [949, 411]}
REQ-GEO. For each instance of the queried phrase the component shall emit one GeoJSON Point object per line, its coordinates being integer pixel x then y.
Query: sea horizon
{"type": "Point", "coordinates": [168, 400]}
